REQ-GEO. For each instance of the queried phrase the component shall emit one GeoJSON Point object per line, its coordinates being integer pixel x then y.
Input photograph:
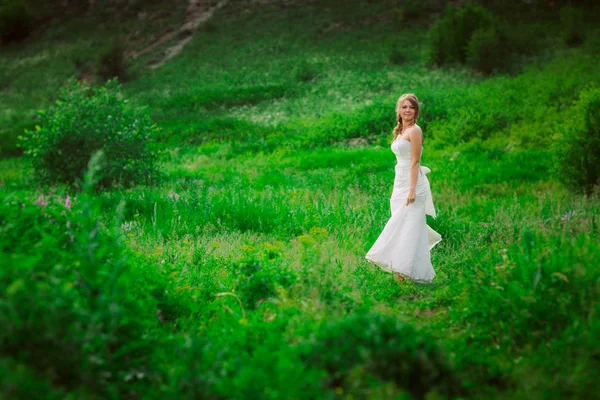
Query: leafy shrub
{"type": "Point", "coordinates": [84, 121]}
{"type": "Point", "coordinates": [488, 50]}
{"type": "Point", "coordinates": [385, 347]}
{"type": "Point", "coordinates": [450, 36]}
{"type": "Point", "coordinates": [532, 291]}
{"type": "Point", "coordinates": [111, 63]}
{"type": "Point", "coordinates": [16, 21]}
{"type": "Point", "coordinates": [247, 360]}
{"type": "Point", "coordinates": [259, 281]}
{"type": "Point", "coordinates": [535, 301]}
{"type": "Point", "coordinates": [69, 302]}
{"type": "Point", "coordinates": [577, 145]}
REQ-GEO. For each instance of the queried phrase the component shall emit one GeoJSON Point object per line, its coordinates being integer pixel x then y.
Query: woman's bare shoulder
{"type": "Point", "coordinates": [413, 131]}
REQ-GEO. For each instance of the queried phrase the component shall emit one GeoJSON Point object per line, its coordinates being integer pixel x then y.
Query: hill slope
{"type": "Point", "coordinates": [246, 275]}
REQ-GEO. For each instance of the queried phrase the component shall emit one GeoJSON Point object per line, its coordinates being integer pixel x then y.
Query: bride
{"type": "Point", "coordinates": [404, 244]}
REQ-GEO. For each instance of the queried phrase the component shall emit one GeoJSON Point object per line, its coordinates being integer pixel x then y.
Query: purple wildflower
{"type": "Point", "coordinates": [41, 201]}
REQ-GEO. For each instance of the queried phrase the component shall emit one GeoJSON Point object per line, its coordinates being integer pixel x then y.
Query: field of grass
{"type": "Point", "coordinates": [241, 274]}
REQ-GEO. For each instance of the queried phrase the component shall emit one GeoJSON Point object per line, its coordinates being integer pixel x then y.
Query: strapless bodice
{"type": "Point", "coordinates": [402, 149]}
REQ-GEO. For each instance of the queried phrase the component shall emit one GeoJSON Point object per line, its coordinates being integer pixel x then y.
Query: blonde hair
{"type": "Point", "coordinates": [415, 103]}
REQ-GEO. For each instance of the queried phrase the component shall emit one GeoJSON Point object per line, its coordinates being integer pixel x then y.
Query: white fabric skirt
{"type": "Point", "coordinates": [406, 240]}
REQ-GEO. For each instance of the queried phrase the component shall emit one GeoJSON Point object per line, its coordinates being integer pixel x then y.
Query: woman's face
{"type": "Point", "coordinates": [407, 110]}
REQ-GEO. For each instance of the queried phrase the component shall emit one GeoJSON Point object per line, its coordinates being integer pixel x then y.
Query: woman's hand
{"type": "Point", "coordinates": [412, 195]}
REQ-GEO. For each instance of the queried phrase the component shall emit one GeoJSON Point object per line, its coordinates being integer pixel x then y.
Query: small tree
{"type": "Point", "coordinates": [450, 36]}
{"type": "Point", "coordinates": [577, 151]}
{"type": "Point", "coordinates": [83, 121]}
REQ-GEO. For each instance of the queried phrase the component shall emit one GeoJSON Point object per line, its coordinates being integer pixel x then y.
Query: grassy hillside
{"type": "Point", "coordinates": [241, 274]}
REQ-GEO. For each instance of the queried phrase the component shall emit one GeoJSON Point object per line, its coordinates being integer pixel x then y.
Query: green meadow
{"type": "Point", "coordinates": [240, 272]}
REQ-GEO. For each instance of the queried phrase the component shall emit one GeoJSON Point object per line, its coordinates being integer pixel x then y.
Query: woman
{"type": "Point", "coordinates": [403, 246]}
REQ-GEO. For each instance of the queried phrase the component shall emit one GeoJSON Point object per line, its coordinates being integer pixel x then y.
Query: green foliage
{"type": "Point", "coordinates": [576, 145]}
{"type": "Point", "coordinates": [488, 50]}
{"type": "Point", "coordinates": [259, 281]}
{"type": "Point", "coordinates": [16, 21]}
{"type": "Point", "coordinates": [531, 291]}
{"type": "Point", "coordinates": [84, 121]}
{"type": "Point", "coordinates": [245, 359]}
{"type": "Point", "coordinates": [450, 36]}
{"type": "Point", "coordinates": [535, 301]}
{"type": "Point", "coordinates": [385, 347]}
{"type": "Point", "coordinates": [68, 304]}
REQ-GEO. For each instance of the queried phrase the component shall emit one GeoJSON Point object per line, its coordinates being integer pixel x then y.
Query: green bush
{"type": "Point", "coordinates": [577, 145]}
{"type": "Point", "coordinates": [450, 36]}
{"type": "Point", "coordinates": [259, 281]}
{"type": "Point", "coordinates": [84, 121]}
{"type": "Point", "coordinates": [247, 360]}
{"type": "Point", "coordinates": [16, 21]}
{"type": "Point", "coordinates": [531, 290]}
{"type": "Point", "coordinates": [534, 298]}
{"type": "Point", "coordinates": [488, 50]}
{"type": "Point", "coordinates": [70, 305]}
{"type": "Point", "coordinates": [386, 348]}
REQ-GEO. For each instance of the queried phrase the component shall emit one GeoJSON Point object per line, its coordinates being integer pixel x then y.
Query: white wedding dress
{"type": "Point", "coordinates": [404, 244]}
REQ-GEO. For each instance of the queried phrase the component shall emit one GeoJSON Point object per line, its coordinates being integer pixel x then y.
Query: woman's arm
{"type": "Point", "coordinates": [416, 141]}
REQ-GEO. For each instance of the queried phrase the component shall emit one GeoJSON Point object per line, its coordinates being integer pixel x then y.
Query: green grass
{"type": "Point", "coordinates": [247, 259]}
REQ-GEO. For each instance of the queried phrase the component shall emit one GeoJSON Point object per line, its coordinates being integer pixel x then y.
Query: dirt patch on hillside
{"type": "Point", "coordinates": [198, 12]}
